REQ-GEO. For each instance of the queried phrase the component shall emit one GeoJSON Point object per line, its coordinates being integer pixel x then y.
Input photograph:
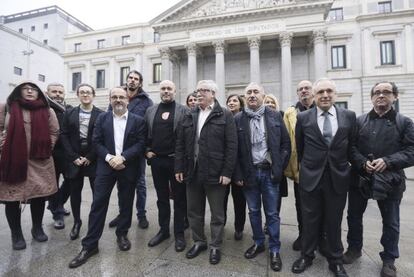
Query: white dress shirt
{"type": "Point", "coordinates": [119, 133]}
{"type": "Point", "coordinates": [332, 117]}
{"type": "Point", "coordinates": [202, 117]}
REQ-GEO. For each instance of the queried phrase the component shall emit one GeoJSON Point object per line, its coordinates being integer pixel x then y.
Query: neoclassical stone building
{"type": "Point", "coordinates": [273, 42]}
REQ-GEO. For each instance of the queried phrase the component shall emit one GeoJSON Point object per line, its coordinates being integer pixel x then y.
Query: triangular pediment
{"type": "Point", "coordinates": [188, 10]}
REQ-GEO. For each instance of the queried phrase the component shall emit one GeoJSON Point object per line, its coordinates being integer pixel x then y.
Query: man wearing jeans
{"type": "Point", "coordinates": [263, 153]}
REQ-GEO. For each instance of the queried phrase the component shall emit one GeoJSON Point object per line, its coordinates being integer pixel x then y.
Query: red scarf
{"type": "Point", "coordinates": [14, 157]}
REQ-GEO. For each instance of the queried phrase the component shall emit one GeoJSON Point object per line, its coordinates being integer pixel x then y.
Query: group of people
{"type": "Point", "coordinates": [201, 152]}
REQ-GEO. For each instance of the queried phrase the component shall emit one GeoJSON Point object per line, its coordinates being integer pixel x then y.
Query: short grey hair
{"type": "Point", "coordinates": [324, 79]}
{"type": "Point", "coordinates": [54, 85]}
{"type": "Point", "coordinates": [261, 88]}
{"type": "Point", "coordinates": [210, 84]}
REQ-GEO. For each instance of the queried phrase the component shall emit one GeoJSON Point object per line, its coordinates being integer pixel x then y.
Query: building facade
{"type": "Point", "coordinates": [277, 43]}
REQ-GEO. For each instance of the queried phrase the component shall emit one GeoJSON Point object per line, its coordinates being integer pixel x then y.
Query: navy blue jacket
{"type": "Point", "coordinates": [134, 143]}
{"type": "Point", "coordinates": [278, 143]}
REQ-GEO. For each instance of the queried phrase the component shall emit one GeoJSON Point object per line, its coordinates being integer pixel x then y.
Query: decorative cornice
{"type": "Point", "coordinates": [285, 39]}
{"type": "Point", "coordinates": [254, 42]}
{"type": "Point", "coordinates": [319, 36]}
{"type": "Point", "coordinates": [219, 46]}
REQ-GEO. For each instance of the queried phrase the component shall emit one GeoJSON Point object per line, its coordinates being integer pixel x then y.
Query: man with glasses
{"type": "Point", "coordinates": [119, 139]}
{"type": "Point", "coordinates": [384, 147]}
{"type": "Point", "coordinates": [205, 157]}
{"type": "Point", "coordinates": [139, 102]}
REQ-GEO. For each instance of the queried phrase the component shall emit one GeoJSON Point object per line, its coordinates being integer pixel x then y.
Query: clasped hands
{"type": "Point", "coordinates": [117, 162]}
{"type": "Point", "coordinates": [377, 165]}
{"type": "Point", "coordinates": [82, 161]}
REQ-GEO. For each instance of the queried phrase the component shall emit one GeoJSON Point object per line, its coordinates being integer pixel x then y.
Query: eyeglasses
{"type": "Point", "coordinates": [85, 93]}
{"type": "Point", "coordinates": [115, 98]}
{"type": "Point", "coordinates": [384, 92]}
{"type": "Point", "coordinates": [30, 88]}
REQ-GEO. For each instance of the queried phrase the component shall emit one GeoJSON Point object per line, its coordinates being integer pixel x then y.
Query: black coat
{"type": "Point", "coordinates": [278, 143]}
{"type": "Point", "coordinates": [383, 138]}
{"type": "Point", "coordinates": [70, 137]}
{"type": "Point", "coordinates": [217, 146]}
{"type": "Point", "coordinates": [314, 154]}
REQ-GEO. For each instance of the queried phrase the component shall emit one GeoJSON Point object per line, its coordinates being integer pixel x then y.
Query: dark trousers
{"type": "Point", "coordinates": [58, 199]}
{"type": "Point", "coordinates": [239, 204]}
{"type": "Point", "coordinates": [197, 192]}
{"type": "Point", "coordinates": [104, 185]}
{"type": "Point", "coordinates": [322, 207]}
{"type": "Point", "coordinates": [390, 213]}
{"type": "Point", "coordinates": [76, 186]}
{"type": "Point", "coordinates": [163, 175]}
{"type": "Point", "coordinates": [298, 207]}
{"type": "Point", "coordinates": [13, 213]}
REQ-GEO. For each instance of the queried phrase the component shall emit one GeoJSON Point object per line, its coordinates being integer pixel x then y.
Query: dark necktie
{"type": "Point", "coordinates": [327, 128]}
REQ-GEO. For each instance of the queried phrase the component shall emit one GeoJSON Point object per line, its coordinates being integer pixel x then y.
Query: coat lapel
{"type": "Point", "coordinates": [128, 128]}
{"type": "Point", "coordinates": [92, 120]}
{"type": "Point", "coordinates": [340, 116]}
{"type": "Point", "coordinates": [246, 127]}
{"type": "Point", "coordinates": [315, 126]}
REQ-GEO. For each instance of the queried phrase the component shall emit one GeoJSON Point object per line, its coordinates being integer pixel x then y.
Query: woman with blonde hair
{"type": "Point", "coordinates": [271, 101]}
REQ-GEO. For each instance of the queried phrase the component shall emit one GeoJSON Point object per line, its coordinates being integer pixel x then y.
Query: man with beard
{"type": "Point", "coordinates": [119, 138]}
{"type": "Point", "coordinates": [56, 95]}
{"type": "Point", "coordinates": [139, 102]}
{"type": "Point", "coordinates": [384, 147]}
{"type": "Point", "coordinates": [162, 120]}
{"type": "Point", "coordinates": [305, 97]}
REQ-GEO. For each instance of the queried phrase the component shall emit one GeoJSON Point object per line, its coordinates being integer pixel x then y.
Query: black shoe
{"type": "Point", "coordinates": [195, 250]}
{"type": "Point", "coordinates": [338, 270]}
{"type": "Point", "coordinates": [253, 251]}
{"type": "Point", "coordinates": [82, 257]}
{"type": "Point", "coordinates": [301, 264]}
{"type": "Point", "coordinates": [123, 243]}
{"type": "Point", "coordinates": [143, 223]}
{"type": "Point", "coordinates": [159, 237]}
{"type": "Point", "coordinates": [74, 233]}
{"type": "Point", "coordinates": [18, 241]}
{"type": "Point", "coordinates": [215, 256]}
{"type": "Point", "coordinates": [388, 270]}
{"type": "Point", "coordinates": [275, 261]}
{"type": "Point", "coordinates": [180, 243]}
{"type": "Point", "coordinates": [38, 234]}
{"type": "Point", "coordinates": [238, 235]}
{"type": "Point", "coordinates": [114, 222]}
{"type": "Point", "coordinates": [351, 256]}
{"type": "Point", "coordinates": [59, 224]}
{"type": "Point", "coordinates": [297, 244]}
{"type": "Point", "coordinates": [66, 212]}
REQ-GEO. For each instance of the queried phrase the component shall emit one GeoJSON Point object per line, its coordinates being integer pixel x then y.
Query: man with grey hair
{"type": "Point", "coordinates": [205, 157]}
{"type": "Point", "coordinates": [263, 154]}
{"type": "Point", "coordinates": [324, 140]}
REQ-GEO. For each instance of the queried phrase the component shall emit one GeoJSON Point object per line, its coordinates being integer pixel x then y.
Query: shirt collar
{"type": "Point", "coordinates": [391, 114]}
{"type": "Point", "coordinates": [124, 116]}
{"type": "Point", "coordinates": [208, 108]}
{"type": "Point", "coordinates": [331, 111]}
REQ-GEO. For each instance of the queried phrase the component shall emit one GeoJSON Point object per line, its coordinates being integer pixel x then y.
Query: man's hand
{"type": "Point", "coordinates": [369, 168]}
{"type": "Point", "coordinates": [379, 165]}
{"type": "Point", "coordinates": [224, 180]}
{"type": "Point", "coordinates": [116, 162]}
{"type": "Point", "coordinates": [239, 183]}
{"type": "Point", "coordinates": [150, 155]}
{"type": "Point", "coordinates": [85, 161]}
{"type": "Point", "coordinates": [78, 161]}
{"type": "Point", "coordinates": [179, 177]}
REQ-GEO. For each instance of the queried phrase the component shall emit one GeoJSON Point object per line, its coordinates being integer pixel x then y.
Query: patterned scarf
{"type": "Point", "coordinates": [257, 133]}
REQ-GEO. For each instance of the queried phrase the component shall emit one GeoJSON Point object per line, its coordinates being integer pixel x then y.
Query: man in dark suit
{"type": "Point", "coordinates": [263, 154]}
{"type": "Point", "coordinates": [119, 138]}
{"type": "Point", "coordinates": [76, 136]}
{"type": "Point", "coordinates": [205, 156]}
{"type": "Point", "coordinates": [162, 120]}
{"type": "Point", "coordinates": [324, 139]}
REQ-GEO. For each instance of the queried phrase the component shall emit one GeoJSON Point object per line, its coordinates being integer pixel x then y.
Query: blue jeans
{"type": "Point", "coordinates": [390, 213]}
{"type": "Point", "coordinates": [267, 191]}
{"type": "Point", "coordinates": [141, 190]}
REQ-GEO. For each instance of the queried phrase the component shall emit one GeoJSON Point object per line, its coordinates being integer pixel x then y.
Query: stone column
{"type": "Point", "coordinates": [192, 66]}
{"type": "Point", "coordinates": [165, 63]}
{"type": "Point", "coordinates": [88, 73]}
{"type": "Point", "coordinates": [138, 62]}
{"type": "Point", "coordinates": [366, 51]}
{"type": "Point", "coordinates": [409, 49]}
{"type": "Point", "coordinates": [285, 40]}
{"type": "Point", "coordinates": [219, 47]}
{"type": "Point", "coordinates": [254, 45]}
{"type": "Point", "coordinates": [319, 46]}
{"type": "Point", "coordinates": [112, 73]}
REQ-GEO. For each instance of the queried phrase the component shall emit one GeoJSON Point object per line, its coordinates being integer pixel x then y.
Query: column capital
{"type": "Point", "coordinates": [165, 52]}
{"type": "Point", "coordinates": [285, 39]}
{"type": "Point", "coordinates": [219, 46]}
{"type": "Point", "coordinates": [192, 49]}
{"type": "Point", "coordinates": [319, 36]}
{"type": "Point", "coordinates": [254, 42]}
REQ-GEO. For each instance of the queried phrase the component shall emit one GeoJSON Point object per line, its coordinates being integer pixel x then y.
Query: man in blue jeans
{"type": "Point", "coordinates": [263, 153]}
{"type": "Point", "coordinates": [384, 147]}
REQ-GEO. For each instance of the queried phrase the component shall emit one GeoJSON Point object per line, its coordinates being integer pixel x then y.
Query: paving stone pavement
{"type": "Point", "coordinates": [51, 258]}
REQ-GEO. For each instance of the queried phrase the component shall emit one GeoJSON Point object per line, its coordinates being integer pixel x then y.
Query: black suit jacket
{"type": "Point", "coordinates": [133, 148]}
{"type": "Point", "coordinates": [314, 154]}
{"type": "Point", "coordinates": [70, 137]}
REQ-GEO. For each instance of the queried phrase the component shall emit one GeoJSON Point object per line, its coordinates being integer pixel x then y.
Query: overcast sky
{"type": "Point", "coordinates": [97, 14]}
